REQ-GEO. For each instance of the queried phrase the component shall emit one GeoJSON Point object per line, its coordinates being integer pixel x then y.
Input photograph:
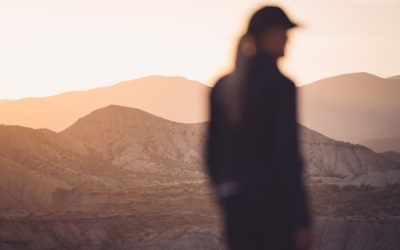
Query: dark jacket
{"type": "Point", "coordinates": [262, 151]}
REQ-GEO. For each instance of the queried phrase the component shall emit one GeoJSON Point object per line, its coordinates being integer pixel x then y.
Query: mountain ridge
{"type": "Point", "coordinates": [123, 82]}
{"type": "Point", "coordinates": [353, 107]}
{"type": "Point", "coordinates": [330, 106]}
{"type": "Point", "coordinates": [396, 77]}
{"type": "Point", "coordinates": [116, 149]}
{"type": "Point", "coordinates": [175, 98]}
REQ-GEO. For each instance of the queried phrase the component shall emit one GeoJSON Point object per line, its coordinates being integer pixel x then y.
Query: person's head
{"type": "Point", "coordinates": [267, 31]}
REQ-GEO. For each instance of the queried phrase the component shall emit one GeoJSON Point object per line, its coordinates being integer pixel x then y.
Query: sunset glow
{"type": "Point", "coordinates": [49, 47]}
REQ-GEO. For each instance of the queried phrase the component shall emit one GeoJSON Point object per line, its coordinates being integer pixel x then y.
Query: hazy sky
{"type": "Point", "coordinates": [53, 46]}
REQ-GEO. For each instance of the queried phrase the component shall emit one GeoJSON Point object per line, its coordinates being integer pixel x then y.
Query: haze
{"type": "Point", "coordinates": [50, 47]}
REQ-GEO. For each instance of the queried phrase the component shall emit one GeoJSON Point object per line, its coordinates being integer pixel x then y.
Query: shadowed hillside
{"type": "Point", "coordinates": [354, 107]}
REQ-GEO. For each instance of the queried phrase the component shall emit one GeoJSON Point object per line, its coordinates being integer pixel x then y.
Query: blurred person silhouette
{"type": "Point", "coordinates": [252, 149]}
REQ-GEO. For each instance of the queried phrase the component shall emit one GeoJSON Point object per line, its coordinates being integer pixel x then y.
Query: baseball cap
{"type": "Point", "coordinates": [267, 17]}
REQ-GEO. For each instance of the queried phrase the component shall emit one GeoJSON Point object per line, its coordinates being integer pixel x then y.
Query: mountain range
{"type": "Point", "coordinates": [118, 148]}
{"type": "Point", "coordinates": [123, 178]}
{"type": "Point", "coordinates": [174, 98]}
{"type": "Point", "coordinates": [360, 108]}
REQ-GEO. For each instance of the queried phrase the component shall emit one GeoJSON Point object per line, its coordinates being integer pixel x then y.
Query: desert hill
{"type": "Point", "coordinates": [113, 149]}
{"type": "Point", "coordinates": [142, 143]}
{"type": "Point", "coordinates": [343, 163]}
{"type": "Point", "coordinates": [118, 148]}
{"type": "Point", "coordinates": [121, 177]}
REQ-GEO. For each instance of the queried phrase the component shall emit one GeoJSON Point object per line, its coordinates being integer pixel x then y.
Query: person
{"type": "Point", "coordinates": [252, 149]}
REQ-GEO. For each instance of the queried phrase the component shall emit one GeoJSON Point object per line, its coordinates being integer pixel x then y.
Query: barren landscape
{"type": "Point", "coordinates": [121, 178]}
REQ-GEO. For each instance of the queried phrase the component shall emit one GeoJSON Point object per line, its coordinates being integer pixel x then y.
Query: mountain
{"type": "Point", "coordinates": [384, 144]}
{"type": "Point", "coordinates": [394, 156]}
{"type": "Point", "coordinates": [344, 163]}
{"type": "Point", "coordinates": [122, 134]}
{"type": "Point", "coordinates": [113, 149]}
{"type": "Point", "coordinates": [353, 107]}
{"type": "Point", "coordinates": [142, 143]}
{"type": "Point", "coordinates": [175, 98]}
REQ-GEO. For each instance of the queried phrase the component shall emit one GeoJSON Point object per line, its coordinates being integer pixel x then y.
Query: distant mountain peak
{"type": "Point", "coordinates": [349, 77]}
{"type": "Point", "coordinates": [114, 107]}
{"type": "Point", "coordinates": [159, 78]}
{"type": "Point", "coordinates": [119, 118]}
{"type": "Point", "coordinates": [112, 111]}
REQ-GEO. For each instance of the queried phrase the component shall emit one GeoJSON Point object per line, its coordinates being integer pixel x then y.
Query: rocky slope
{"type": "Point", "coordinates": [111, 150]}
{"type": "Point", "coordinates": [345, 163]}
{"type": "Point", "coordinates": [142, 144]}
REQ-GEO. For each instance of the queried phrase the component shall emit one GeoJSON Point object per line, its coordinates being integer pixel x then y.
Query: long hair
{"type": "Point", "coordinates": [235, 91]}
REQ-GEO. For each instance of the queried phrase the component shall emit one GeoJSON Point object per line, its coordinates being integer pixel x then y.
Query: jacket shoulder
{"type": "Point", "coordinates": [219, 85]}
{"type": "Point", "coordinates": [221, 81]}
{"type": "Point", "coordinates": [285, 84]}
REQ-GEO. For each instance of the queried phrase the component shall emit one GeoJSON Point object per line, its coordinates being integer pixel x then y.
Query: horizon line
{"type": "Point", "coordinates": [173, 76]}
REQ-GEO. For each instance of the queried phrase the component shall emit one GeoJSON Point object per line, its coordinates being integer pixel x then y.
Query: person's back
{"type": "Point", "coordinates": [253, 157]}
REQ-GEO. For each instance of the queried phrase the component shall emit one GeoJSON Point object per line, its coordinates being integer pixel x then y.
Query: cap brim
{"type": "Point", "coordinates": [297, 25]}
{"type": "Point", "coordinates": [292, 25]}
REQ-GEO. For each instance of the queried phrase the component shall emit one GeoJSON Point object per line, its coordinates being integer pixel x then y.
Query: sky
{"type": "Point", "coordinates": [53, 46]}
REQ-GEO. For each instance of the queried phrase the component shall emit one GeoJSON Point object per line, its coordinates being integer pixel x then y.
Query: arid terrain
{"type": "Point", "coordinates": [121, 178]}
{"type": "Point", "coordinates": [359, 108]}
